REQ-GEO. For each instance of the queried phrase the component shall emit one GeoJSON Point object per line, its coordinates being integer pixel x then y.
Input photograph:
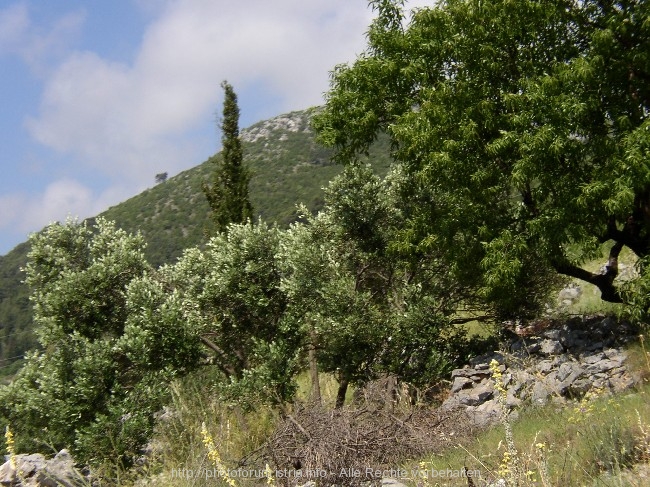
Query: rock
{"type": "Point", "coordinates": [60, 472]}
{"type": "Point", "coordinates": [552, 334]}
{"type": "Point", "coordinates": [36, 471]}
{"type": "Point", "coordinates": [8, 474]}
{"type": "Point", "coordinates": [592, 359]}
{"type": "Point", "coordinates": [614, 354]}
{"type": "Point", "coordinates": [569, 371]}
{"type": "Point", "coordinates": [477, 395]}
{"type": "Point", "coordinates": [544, 366]}
{"type": "Point", "coordinates": [391, 482]}
{"type": "Point", "coordinates": [460, 383]}
{"type": "Point", "coordinates": [485, 414]}
{"type": "Point", "coordinates": [487, 358]}
{"type": "Point", "coordinates": [571, 293]}
{"type": "Point", "coordinates": [580, 387]}
{"type": "Point", "coordinates": [551, 347]}
{"type": "Point", "coordinates": [512, 401]}
{"type": "Point", "coordinates": [540, 393]}
{"type": "Point", "coordinates": [466, 372]}
{"type": "Point", "coordinates": [565, 361]}
{"type": "Point", "coordinates": [621, 383]}
{"type": "Point", "coordinates": [602, 366]}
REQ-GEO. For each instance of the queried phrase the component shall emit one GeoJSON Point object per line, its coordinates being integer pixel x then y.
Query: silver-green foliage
{"type": "Point", "coordinates": [110, 341]}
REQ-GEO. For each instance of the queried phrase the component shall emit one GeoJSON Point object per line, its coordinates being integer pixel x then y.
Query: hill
{"type": "Point", "coordinates": [288, 167]}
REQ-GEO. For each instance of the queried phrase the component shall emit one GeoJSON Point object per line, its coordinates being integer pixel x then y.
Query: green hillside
{"type": "Point", "coordinates": [288, 168]}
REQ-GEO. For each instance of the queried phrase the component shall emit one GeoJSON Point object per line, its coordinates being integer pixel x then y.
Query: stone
{"type": "Point", "coordinates": [8, 474]}
{"type": "Point", "coordinates": [551, 347]}
{"type": "Point", "coordinates": [487, 358]}
{"type": "Point", "coordinates": [477, 395]}
{"type": "Point", "coordinates": [512, 401]}
{"type": "Point", "coordinates": [540, 393]}
{"type": "Point", "coordinates": [614, 354]}
{"type": "Point", "coordinates": [391, 482]}
{"type": "Point", "coordinates": [592, 359]}
{"type": "Point", "coordinates": [465, 372]}
{"type": "Point", "coordinates": [619, 384]}
{"type": "Point", "coordinates": [552, 334]}
{"type": "Point", "coordinates": [517, 346]}
{"type": "Point", "coordinates": [36, 471]}
{"type": "Point", "coordinates": [460, 383]}
{"type": "Point", "coordinates": [564, 362]}
{"type": "Point", "coordinates": [580, 387]}
{"type": "Point", "coordinates": [485, 414]}
{"type": "Point", "coordinates": [602, 366]}
{"type": "Point", "coordinates": [545, 366]}
{"type": "Point", "coordinates": [569, 371]}
{"type": "Point", "coordinates": [60, 472]}
{"type": "Point", "coordinates": [533, 347]}
{"type": "Point", "coordinates": [571, 293]}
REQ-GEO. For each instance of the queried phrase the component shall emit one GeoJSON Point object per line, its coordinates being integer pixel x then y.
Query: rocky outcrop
{"type": "Point", "coordinates": [36, 471]}
{"type": "Point", "coordinates": [290, 122]}
{"type": "Point", "coordinates": [556, 361]}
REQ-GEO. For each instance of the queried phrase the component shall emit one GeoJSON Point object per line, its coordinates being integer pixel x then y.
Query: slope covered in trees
{"type": "Point", "coordinates": [288, 168]}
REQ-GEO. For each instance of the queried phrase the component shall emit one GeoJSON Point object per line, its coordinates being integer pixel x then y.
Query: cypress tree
{"type": "Point", "coordinates": [227, 194]}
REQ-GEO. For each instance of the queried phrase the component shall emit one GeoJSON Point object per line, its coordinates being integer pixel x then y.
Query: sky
{"type": "Point", "coordinates": [97, 96]}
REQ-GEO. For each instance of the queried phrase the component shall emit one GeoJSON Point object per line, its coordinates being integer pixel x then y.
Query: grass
{"type": "Point", "coordinates": [180, 455]}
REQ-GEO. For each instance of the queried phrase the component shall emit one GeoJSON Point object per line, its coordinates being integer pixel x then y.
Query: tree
{"type": "Point", "coordinates": [230, 293]}
{"type": "Point", "coordinates": [366, 309]}
{"type": "Point", "coordinates": [227, 194]}
{"type": "Point", "coordinates": [524, 149]}
{"type": "Point", "coordinates": [111, 340]}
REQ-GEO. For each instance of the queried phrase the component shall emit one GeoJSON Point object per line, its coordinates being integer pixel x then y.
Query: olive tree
{"type": "Point", "coordinates": [111, 339]}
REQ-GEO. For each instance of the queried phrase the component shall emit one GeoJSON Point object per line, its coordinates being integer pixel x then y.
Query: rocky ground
{"type": "Point", "coordinates": [550, 360]}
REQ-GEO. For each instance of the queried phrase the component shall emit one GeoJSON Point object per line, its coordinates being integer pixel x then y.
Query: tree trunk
{"type": "Point", "coordinates": [340, 395]}
{"type": "Point", "coordinates": [313, 371]}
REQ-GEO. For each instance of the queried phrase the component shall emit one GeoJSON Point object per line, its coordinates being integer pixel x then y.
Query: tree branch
{"type": "Point", "coordinates": [603, 281]}
{"type": "Point", "coordinates": [225, 368]}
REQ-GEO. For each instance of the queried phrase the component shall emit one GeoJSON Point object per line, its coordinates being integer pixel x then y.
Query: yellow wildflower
{"type": "Point", "coordinates": [11, 449]}
{"type": "Point", "coordinates": [213, 455]}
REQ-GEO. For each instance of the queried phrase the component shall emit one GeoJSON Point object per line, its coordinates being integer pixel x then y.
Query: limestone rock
{"type": "Point", "coordinates": [36, 471]}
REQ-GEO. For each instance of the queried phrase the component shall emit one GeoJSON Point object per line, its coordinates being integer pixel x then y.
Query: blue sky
{"type": "Point", "coordinates": [97, 96]}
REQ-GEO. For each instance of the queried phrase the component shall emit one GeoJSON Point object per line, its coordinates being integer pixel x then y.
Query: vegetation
{"type": "Point", "coordinates": [102, 370]}
{"type": "Point", "coordinates": [287, 167]}
{"type": "Point", "coordinates": [228, 193]}
{"type": "Point", "coordinates": [522, 128]}
{"type": "Point", "coordinates": [516, 154]}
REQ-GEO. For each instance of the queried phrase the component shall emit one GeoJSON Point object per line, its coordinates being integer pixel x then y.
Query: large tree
{"type": "Point", "coordinates": [522, 126]}
{"type": "Point", "coordinates": [227, 193]}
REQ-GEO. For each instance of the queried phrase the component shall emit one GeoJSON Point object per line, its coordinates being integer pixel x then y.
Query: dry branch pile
{"type": "Point", "coordinates": [313, 443]}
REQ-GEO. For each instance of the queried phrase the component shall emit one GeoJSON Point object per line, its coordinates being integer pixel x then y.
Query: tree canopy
{"type": "Point", "coordinates": [522, 127]}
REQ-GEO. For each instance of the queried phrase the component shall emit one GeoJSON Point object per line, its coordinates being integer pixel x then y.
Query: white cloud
{"type": "Point", "coordinates": [110, 115]}
{"type": "Point", "coordinates": [129, 121]}
{"type": "Point", "coordinates": [25, 213]}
